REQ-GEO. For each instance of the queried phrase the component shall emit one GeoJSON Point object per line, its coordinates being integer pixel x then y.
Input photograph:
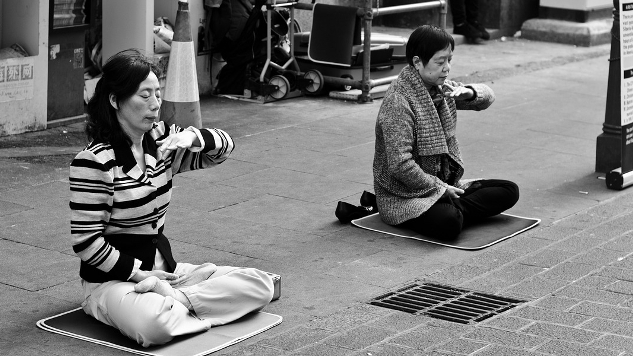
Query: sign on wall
{"type": "Point", "coordinates": [16, 79]}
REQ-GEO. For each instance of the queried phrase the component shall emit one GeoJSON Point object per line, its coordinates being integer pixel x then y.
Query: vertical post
{"type": "Point", "coordinates": [365, 85]}
{"type": "Point", "coordinates": [443, 12]}
{"type": "Point", "coordinates": [608, 143]}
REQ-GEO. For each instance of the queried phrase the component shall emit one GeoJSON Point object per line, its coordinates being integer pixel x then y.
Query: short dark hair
{"type": "Point", "coordinates": [122, 75]}
{"type": "Point", "coordinates": [427, 40]}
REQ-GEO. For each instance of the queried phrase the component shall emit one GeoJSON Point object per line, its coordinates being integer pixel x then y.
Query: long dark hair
{"type": "Point", "coordinates": [122, 75]}
{"type": "Point", "coordinates": [425, 41]}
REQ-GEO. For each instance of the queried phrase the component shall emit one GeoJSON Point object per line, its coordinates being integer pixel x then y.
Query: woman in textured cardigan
{"type": "Point", "coordinates": [418, 167]}
{"type": "Point", "coordinates": [120, 187]}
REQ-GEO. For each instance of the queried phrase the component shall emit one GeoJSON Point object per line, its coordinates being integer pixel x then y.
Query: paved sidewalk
{"type": "Point", "coordinates": [273, 203]}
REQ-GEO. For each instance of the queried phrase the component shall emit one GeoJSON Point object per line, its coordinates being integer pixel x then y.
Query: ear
{"type": "Point", "coordinates": [112, 99]}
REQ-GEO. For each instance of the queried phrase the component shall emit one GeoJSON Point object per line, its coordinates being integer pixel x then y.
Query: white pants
{"type": "Point", "coordinates": [152, 319]}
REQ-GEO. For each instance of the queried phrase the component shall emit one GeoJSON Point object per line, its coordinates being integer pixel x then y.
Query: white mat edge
{"type": "Point", "coordinates": [536, 222]}
{"type": "Point", "coordinates": [42, 325]}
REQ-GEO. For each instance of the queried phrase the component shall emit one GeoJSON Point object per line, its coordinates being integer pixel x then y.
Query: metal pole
{"type": "Point", "coordinates": [609, 142]}
{"type": "Point", "coordinates": [365, 85]}
{"type": "Point", "coordinates": [443, 11]}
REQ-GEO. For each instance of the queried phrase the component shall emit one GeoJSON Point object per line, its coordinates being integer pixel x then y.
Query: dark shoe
{"type": "Point", "coordinates": [479, 27]}
{"type": "Point", "coordinates": [346, 212]}
{"type": "Point", "coordinates": [467, 30]}
{"type": "Point", "coordinates": [368, 199]}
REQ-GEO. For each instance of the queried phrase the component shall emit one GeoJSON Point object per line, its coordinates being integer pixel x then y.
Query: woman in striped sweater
{"type": "Point", "coordinates": [120, 189]}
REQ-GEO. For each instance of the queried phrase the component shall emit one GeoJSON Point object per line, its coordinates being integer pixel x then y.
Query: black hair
{"type": "Point", "coordinates": [427, 40]}
{"type": "Point", "coordinates": [122, 75]}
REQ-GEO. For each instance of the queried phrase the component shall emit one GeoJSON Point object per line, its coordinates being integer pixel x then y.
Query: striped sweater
{"type": "Point", "coordinates": [118, 211]}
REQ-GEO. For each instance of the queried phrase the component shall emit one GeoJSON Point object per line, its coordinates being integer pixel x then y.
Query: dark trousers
{"type": "Point", "coordinates": [448, 216]}
{"type": "Point", "coordinates": [464, 11]}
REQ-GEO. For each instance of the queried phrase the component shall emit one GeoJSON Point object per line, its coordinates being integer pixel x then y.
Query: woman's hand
{"type": "Point", "coordinates": [459, 92]}
{"type": "Point", "coordinates": [453, 192]}
{"type": "Point", "coordinates": [201, 273]}
{"type": "Point", "coordinates": [142, 275]}
{"type": "Point", "coordinates": [183, 139]}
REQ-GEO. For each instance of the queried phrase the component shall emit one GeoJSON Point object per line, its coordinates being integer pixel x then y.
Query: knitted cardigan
{"type": "Point", "coordinates": [414, 142]}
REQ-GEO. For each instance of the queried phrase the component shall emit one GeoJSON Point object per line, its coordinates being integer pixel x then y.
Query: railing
{"type": "Point", "coordinates": [368, 13]}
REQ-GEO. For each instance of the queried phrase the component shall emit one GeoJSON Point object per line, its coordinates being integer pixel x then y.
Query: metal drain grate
{"type": "Point", "coordinates": [447, 303]}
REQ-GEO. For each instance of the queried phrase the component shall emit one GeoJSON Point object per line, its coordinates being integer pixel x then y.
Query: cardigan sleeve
{"type": "Point", "coordinates": [215, 147]}
{"type": "Point", "coordinates": [91, 198]}
{"type": "Point", "coordinates": [397, 126]}
{"type": "Point", "coordinates": [484, 97]}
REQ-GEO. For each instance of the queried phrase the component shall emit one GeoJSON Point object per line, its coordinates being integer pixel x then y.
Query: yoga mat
{"type": "Point", "coordinates": [76, 323]}
{"type": "Point", "coordinates": [475, 237]}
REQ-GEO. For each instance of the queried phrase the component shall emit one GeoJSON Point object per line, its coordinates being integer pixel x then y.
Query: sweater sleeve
{"type": "Point", "coordinates": [91, 199]}
{"type": "Point", "coordinates": [484, 97]}
{"type": "Point", "coordinates": [215, 147]}
{"type": "Point", "coordinates": [396, 124]}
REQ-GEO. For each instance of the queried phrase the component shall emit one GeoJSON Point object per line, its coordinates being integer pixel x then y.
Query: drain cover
{"type": "Point", "coordinates": [444, 302]}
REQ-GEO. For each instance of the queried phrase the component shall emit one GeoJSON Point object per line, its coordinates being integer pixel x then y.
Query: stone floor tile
{"type": "Point", "coordinates": [553, 331]}
{"type": "Point", "coordinates": [505, 338]}
{"type": "Point", "coordinates": [614, 342]}
{"type": "Point", "coordinates": [360, 337]}
{"type": "Point", "coordinates": [548, 315]}
{"type": "Point", "coordinates": [563, 348]}
{"type": "Point", "coordinates": [556, 303]}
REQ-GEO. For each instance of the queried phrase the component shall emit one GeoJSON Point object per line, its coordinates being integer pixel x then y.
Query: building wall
{"type": "Point", "coordinates": [23, 100]}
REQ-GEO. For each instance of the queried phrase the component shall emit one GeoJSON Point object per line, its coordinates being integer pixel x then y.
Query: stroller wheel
{"type": "Point", "coordinates": [282, 84]}
{"type": "Point", "coordinates": [316, 82]}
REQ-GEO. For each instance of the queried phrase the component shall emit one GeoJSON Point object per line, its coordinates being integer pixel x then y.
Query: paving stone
{"type": "Point", "coordinates": [546, 258]}
{"type": "Point", "coordinates": [461, 346]}
{"type": "Point", "coordinates": [251, 350]}
{"type": "Point", "coordinates": [511, 323]}
{"type": "Point", "coordinates": [609, 326]}
{"type": "Point", "coordinates": [603, 311]}
{"type": "Point", "coordinates": [521, 244]}
{"type": "Point", "coordinates": [498, 350]}
{"type": "Point", "coordinates": [594, 295]}
{"type": "Point", "coordinates": [46, 268]}
{"type": "Point", "coordinates": [360, 337]}
{"type": "Point", "coordinates": [556, 303]}
{"type": "Point", "coordinates": [617, 273]}
{"type": "Point", "coordinates": [615, 342]}
{"type": "Point", "coordinates": [485, 284]}
{"type": "Point", "coordinates": [622, 243]}
{"type": "Point", "coordinates": [347, 318]}
{"type": "Point", "coordinates": [297, 338]}
{"type": "Point", "coordinates": [563, 348]}
{"type": "Point", "coordinates": [599, 257]}
{"type": "Point", "coordinates": [555, 232]}
{"type": "Point", "coordinates": [536, 287]}
{"type": "Point", "coordinates": [569, 271]}
{"type": "Point", "coordinates": [505, 338]}
{"type": "Point", "coordinates": [387, 349]}
{"type": "Point", "coordinates": [398, 321]}
{"type": "Point", "coordinates": [548, 315]}
{"type": "Point", "coordinates": [493, 258]}
{"type": "Point", "coordinates": [581, 220]}
{"type": "Point", "coordinates": [423, 338]}
{"type": "Point", "coordinates": [553, 331]}
{"type": "Point", "coordinates": [594, 282]}
{"type": "Point", "coordinates": [458, 273]}
{"type": "Point", "coordinates": [322, 349]}
{"type": "Point", "coordinates": [514, 272]}
{"type": "Point", "coordinates": [624, 287]}
{"type": "Point", "coordinates": [577, 244]}
{"type": "Point", "coordinates": [626, 262]}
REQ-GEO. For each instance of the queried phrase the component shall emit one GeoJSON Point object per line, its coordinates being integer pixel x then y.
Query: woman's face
{"type": "Point", "coordinates": [138, 113]}
{"type": "Point", "coordinates": [436, 70]}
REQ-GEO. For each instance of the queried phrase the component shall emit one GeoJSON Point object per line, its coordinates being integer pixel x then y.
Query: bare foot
{"type": "Point", "coordinates": [156, 285]}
